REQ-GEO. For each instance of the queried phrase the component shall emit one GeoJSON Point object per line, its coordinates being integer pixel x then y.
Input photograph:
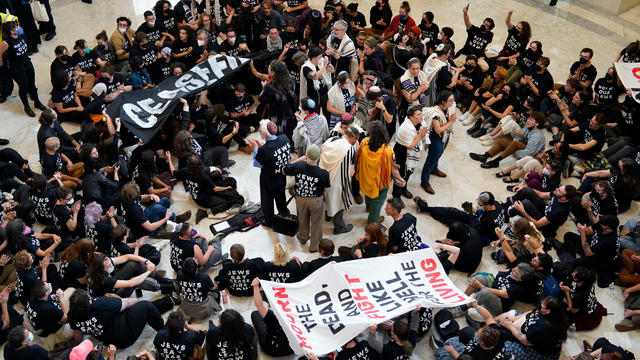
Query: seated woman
{"type": "Point", "coordinates": [27, 275]}
{"type": "Point", "coordinates": [539, 333]}
{"type": "Point", "coordinates": [109, 318]}
{"type": "Point", "coordinates": [98, 227]}
{"type": "Point", "coordinates": [282, 269]}
{"type": "Point", "coordinates": [215, 193]}
{"type": "Point", "coordinates": [196, 300]}
{"type": "Point", "coordinates": [21, 237]}
{"type": "Point", "coordinates": [232, 338]}
{"type": "Point", "coordinates": [624, 178]}
{"type": "Point", "coordinates": [585, 311]}
{"type": "Point", "coordinates": [372, 244]}
{"type": "Point", "coordinates": [148, 178]}
{"type": "Point", "coordinates": [184, 145]}
{"type": "Point", "coordinates": [495, 108]}
{"type": "Point", "coordinates": [402, 338]}
{"type": "Point", "coordinates": [490, 87]}
{"type": "Point", "coordinates": [579, 111]}
{"type": "Point", "coordinates": [525, 168]}
{"type": "Point", "coordinates": [66, 100]}
{"type": "Point", "coordinates": [74, 262]}
{"type": "Point", "coordinates": [586, 141]}
{"type": "Point", "coordinates": [120, 245]}
{"type": "Point", "coordinates": [178, 339]}
{"type": "Point", "coordinates": [485, 343]}
{"type": "Point", "coordinates": [510, 124]}
{"type": "Point", "coordinates": [523, 242]}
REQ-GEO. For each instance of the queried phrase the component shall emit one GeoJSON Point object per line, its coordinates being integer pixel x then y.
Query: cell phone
{"type": "Point", "coordinates": [100, 346]}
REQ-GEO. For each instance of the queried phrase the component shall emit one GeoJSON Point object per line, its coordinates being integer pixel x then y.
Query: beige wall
{"type": "Point", "coordinates": [612, 7]}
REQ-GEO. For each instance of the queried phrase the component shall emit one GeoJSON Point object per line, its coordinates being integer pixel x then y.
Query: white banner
{"type": "Point", "coordinates": [337, 302]}
{"type": "Point", "coordinates": [629, 74]}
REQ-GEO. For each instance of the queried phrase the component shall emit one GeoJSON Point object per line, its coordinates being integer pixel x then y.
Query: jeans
{"type": "Point", "coordinates": [631, 240]}
{"type": "Point", "coordinates": [442, 354]}
{"type": "Point", "coordinates": [436, 148]}
{"type": "Point", "coordinates": [158, 211]}
{"type": "Point", "coordinates": [215, 256]}
{"type": "Point", "coordinates": [375, 205]}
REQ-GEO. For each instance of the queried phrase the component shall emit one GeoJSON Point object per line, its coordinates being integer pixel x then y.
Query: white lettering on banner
{"type": "Point", "coordinates": [629, 74]}
{"type": "Point", "coordinates": [338, 301]}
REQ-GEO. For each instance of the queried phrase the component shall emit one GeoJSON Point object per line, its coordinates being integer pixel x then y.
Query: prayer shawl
{"type": "Point", "coordinates": [346, 49]}
{"type": "Point", "coordinates": [373, 168]}
{"type": "Point", "coordinates": [273, 45]}
{"type": "Point", "coordinates": [337, 100]}
{"type": "Point", "coordinates": [337, 158]}
{"type": "Point", "coordinates": [434, 113]}
{"type": "Point", "coordinates": [407, 83]}
{"type": "Point", "coordinates": [430, 69]}
{"type": "Point", "coordinates": [325, 78]}
{"type": "Point", "coordinates": [404, 136]}
{"type": "Point", "coordinates": [312, 130]}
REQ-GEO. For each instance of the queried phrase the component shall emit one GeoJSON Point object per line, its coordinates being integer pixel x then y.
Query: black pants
{"type": "Point", "coordinates": [249, 120]}
{"type": "Point", "coordinates": [25, 76]}
{"type": "Point", "coordinates": [50, 27]}
{"type": "Point", "coordinates": [446, 215]}
{"type": "Point", "coordinates": [401, 159]}
{"type": "Point", "coordinates": [533, 204]}
{"type": "Point", "coordinates": [6, 84]}
{"type": "Point", "coordinates": [272, 187]}
{"type": "Point", "coordinates": [129, 324]}
{"type": "Point", "coordinates": [264, 337]}
{"type": "Point", "coordinates": [620, 149]}
{"type": "Point", "coordinates": [81, 117]}
{"type": "Point", "coordinates": [216, 156]}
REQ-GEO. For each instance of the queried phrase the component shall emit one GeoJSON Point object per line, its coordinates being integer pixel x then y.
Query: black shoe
{"type": "Point", "coordinates": [50, 36]}
{"type": "Point", "coordinates": [40, 106]}
{"type": "Point", "coordinates": [553, 2]}
{"type": "Point", "coordinates": [343, 230]}
{"type": "Point", "coordinates": [479, 157]}
{"type": "Point", "coordinates": [138, 292]}
{"type": "Point", "coordinates": [511, 187]}
{"type": "Point", "coordinates": [183, 217]}
{"type": "Point", "coordinates": [479, 133]}
{"type": "Point", "coordinates": [2, 99]}
{"type": "Point", "coordinates": [556, 244]}
{"type": "Point", "coordinates": [28, 111]}
{"type": "Point", "coordinates": [231, 163]}
{"type": "Point", "coordinates": [475, 127]}
{"type": "Point", "coordinates": [200, 214]}
{"type": "Point", "coordinates": [4, 142]}
{"type": "Point", "coordinates": [491, 164]}
{"type": "Point", "coordinates": [87, 1]}
{"type": "Point", "coordinates": [418, 200]}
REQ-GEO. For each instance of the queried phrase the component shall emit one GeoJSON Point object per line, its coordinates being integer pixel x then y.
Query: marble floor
{"type": "Point", "coordinates": [563, 30]}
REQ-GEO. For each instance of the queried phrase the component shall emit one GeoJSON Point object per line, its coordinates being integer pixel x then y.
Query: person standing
{"type": "Point", "coordinates": [374, 160]}
{"type": "Point", "coordinates": [14, 45]}
{"type": "Point", "coordinates": [410, 140]}
{"type": "Point", "coordinates": [441, 117]}
{"type": "Point", "coordinates": [271, 157]}
{"type": "Point", "coordinates": [310, 183]}
{"type": "Point", "coordinates": [338, 158]}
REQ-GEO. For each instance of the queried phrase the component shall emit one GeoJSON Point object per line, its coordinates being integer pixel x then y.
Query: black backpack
{"type": "Point", "coordinates": [445, 327]}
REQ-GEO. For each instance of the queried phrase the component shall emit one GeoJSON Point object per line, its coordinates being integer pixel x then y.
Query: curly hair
{"type": "Point", "coordinates": [281, 79]}
{"type": "Point", "coordinates": [182, 144]}
{"type": "Point", "coordinates": [378, 135]}
{"type": "Point", "coordinates": [23, 260]}
{"type": "Point", "coordinates": [83, 250]}
{"type": "Point", "coordinates": [232, 329]}
{"type": "Point", "coordinates": [376, 236]}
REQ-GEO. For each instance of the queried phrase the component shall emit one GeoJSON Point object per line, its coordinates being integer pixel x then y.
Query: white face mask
{"type": "Point", "coordinates": [70, 201]}
{"type": "Point", "coordinates": [546, 171]}
{"type": "Point", "coordinates": [232, 40]}
{"type": "Point", "coordinates": [122, 29]}
{"type": "Point", "coordinates": [200, 42]}
{"type": "Point", "coordinates": [30, 337]}
{"type": "Point", "coordinates": [151, 23]}
{"type": "Point", "coordinates": [439, 36]}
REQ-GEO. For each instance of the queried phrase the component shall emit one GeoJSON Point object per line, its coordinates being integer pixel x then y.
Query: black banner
{"type": "Point", "coordinates": [144, 111]}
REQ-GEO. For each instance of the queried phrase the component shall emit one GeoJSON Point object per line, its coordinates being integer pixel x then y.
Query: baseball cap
{"type": "Point", "coordinates": [81, 351]}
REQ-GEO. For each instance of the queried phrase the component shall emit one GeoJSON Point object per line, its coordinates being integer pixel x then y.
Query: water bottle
{"type": "Point", "coordinates": [611, 290]}
{"type": "Point", "coordinates": [572, 328]}
{"type": "Point", "coordinates": [225, 298]}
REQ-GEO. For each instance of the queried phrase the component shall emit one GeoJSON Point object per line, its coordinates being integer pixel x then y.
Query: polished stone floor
{"type": "Point", "coordinates": [563, 31]}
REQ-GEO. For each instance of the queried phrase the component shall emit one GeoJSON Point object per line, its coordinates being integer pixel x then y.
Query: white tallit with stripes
{"type": "Point", "coordinates": [337, 158]}
{"type": "Point", "coordinates": [404, 136]}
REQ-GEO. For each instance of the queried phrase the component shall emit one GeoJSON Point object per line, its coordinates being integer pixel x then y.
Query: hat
{"type": "Point", "coordinates": [486, 198]}
{"type": "Point", "coordinates": [313, 152]}
{"type": "Point", "coordinates": [81, 351]}
{"type": "Point", "coordinates": [371, 42]}
{"type": "Point", "coordinates": [346, 117]}
{"type": "Point", "coordinates": [415, 29]}
{"type": "Point", "coordinates": [99, 89]}
{"type": "Point", "coordinates": [166, 50]}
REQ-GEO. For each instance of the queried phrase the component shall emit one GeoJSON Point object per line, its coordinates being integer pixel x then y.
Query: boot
{"type": "Point", "coordinates": [200, 214]}
{"type": "Point", "coordinates": [479, 157]}
{"type": "Point", "coordinates": [478, 133]}
{"type": "Point", "coordinates": [183, 217]}
{"type": "Point", "coordinates": [491, 164]}
{"type": "Point", "coordinates": [40, 106]}
{"type": "Point", "coordinates": [475, 127]}
{"type": "Point", "coordinates": [28, 111]}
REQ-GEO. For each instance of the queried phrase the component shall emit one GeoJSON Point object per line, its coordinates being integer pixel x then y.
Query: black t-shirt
{"type": "Point", "coordinates": [606, 92]}
{"type": "Point", "coordinates": [106, 54]}
{"type": "Point", "coordinates": [154, 34]}
{"type": "Point", "coordinates": [51, 164]}
{"type": "Point", "coordinates": [168, 22]}
{"type": "Point", "coordinates": [200, 188]}
{"type": "Point", "coordinates": [65, 96]}
{"type": "Point", "coordinates": [274, 155]}
{"type": "Point", "coordinates": [474, 349]}
{"type": "Point", "coordinates": [590, 134]}
{"type": "Point", "coordinates": [514, 44]}
{"type": "Point", "coordinates": [221, 350]}
{"type": "Point", "coordinates": [114, 84]}
{"type": "Point", "coordinates": [134, 217]}
{"type": "Point", "coordinates": [194, 288]}
{"type": "Point", "coordinates": [310, 181]}
{"type": "Point", "coordinates": [180, 251]}
{"type": "Point", "coordinates": [605, 246]}
{"type": "Point", "coordinates": [588, 73]}
{"type": "Point", "coordinates": [550, 183]}
{"type": "Point", "coordinates": [606, 206]}
{"type": "Point", "coordinates": [362, 351]}
{"type": "Point", "coordinates": [404, 234]}
{"type": "Point", "coordinates": [584, 299]}
{"type": "Point", "coordinates": [24, 282]}
{"type": "Point", "coordinates": [489, 221]}
{"type": "Point", "coordinates": [235, 105]}
{"type": "Point", "coordinates": [32, 352]}
{"type": "Point", "coordinates": [275, 342]}
{"type": "Point", "coordinates": [45, 315]}
{"type": "Point", "coordinates": [43, 204]}
{"type": "Point", "coordinates": [287, 273]}
{"type": "Point", "coordinates": [103, 288]}
{"type": "Point", "coordinates": [313, 265]}
{"type": "Point", "coordinates": [470, 253]}
{"type": "Point", "coordinates": [308, 72]}
{"type": "Point", "coordinates": [180, 349]}
{"type": "Point", "coordinates": [62, 214]}
{"type": "Point", "coordinates": [527, 61]}
{"type": "Point", "coordinates": [149, 55]}
{"type": "Point", "coordinates": [443, 79]}
{"type": "Point", "coordinates": [430, 32]}
{"type": "Point", "coordinates": [143, 178]}
{"type": "Point", "coordinates": [476, 41]}
{"type": "Point", "coordinates": [475, 78]}
{"type": "Point", "coordinates": [86, 62]}
{"type": "Point", "coordinates": [230, 50]}
{"type": "Point", "coordinates": [17, 52]}
{"type": "Point", "coordinates": [543, 82]}
{"type": "Point", "coordinates": [70, 272]}
{"type": "Point", "coordinates": [392, 351]}
{"type": "Point", "coordinates": [100, 234]}
{"type": "Point", "coordinates": [516, 290]}
{"type": "Point", "coordinates": [101, 320]}
{"type": "Point", "coordinates": [237, 278]}
{"type": "Point", "coordinates": [557, 213]}
{"type": "Point", "coordinates": [540, 334]}
{"type": "Point", "coordinates": [58, 65]}
{"type": "Point", "coordinates": [179, 47]}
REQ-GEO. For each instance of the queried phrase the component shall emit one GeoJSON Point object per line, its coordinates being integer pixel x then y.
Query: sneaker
{"type": "Point", "coordinates": [464, 117]}
{"type": "Point", "coordinates": [343, 230]}
{"type": "Point", "coordinates": [185, 216]}
{"type": "Point", "coordinates": [488, 142]}
{"type": "Point", "coordinates": [469, 120]}
{"type": "Point", "coordinates": [200, 214]}
{"type": "Point", "coordinates": [485, 137]}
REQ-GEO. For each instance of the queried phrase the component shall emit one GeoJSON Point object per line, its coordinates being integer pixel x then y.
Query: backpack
{"type": "Point", "coordinates": [550, 287]}
{"type": "Point", "coordinates": [445, 327]}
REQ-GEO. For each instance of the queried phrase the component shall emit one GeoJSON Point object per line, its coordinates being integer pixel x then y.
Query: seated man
{"type": "Point", "coordinates": [326, 249]}
{"type": "Point", "coordinates": [20, 346]}
{"type": "Point", "coordinates": [485, 220]}
{"type": "Point", "coordinates": [586, 141]}
{"type": "Point", "coordinates": [272, 338]}
{"type": "Point", "coordinates": [186, 243]}
{"type": "Point", "coordinates": [530, 143]}
{"type": "Point", "coordinates": [47, 314]}
{"type": "Point", "coordinates": [546, 216]}
{"type": "Point", "coordinates": [240, 109]}
{"type": "Point", "coordinates": [237, 273]}
{"type": "Point", "coordinates": [403, 234]}
{"type": "Point", "coordinates": [52, 162]}
{"type": "Point", "coordinates": [600, 201]}
{"type": "Point", "coordinates": [469, 80]}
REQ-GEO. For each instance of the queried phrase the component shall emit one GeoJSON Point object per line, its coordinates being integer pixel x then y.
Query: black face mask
{"type": "Point", "coordinates": [596, 227]}
{"type": "Point", "coordinates": [469, 67]}
{"type": "Point", "coordinates": [486, 29]}
{"type": "Point", "coordinates": [608, 77]}
{"type": "Point", "coordinates": [65, 58]}
{"type": "Point", "coordinates": [538, 68]}
{"type": "Point", "coordinates": [583, 61]}
{"type": "Point", "coordinates": [504, 93]}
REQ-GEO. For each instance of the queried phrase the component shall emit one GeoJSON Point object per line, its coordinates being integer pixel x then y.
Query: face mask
{"type": "Point", "coordinates": [20, 33]}
{"type": "Point", "coordinates": [87, 51]}
{"type": "Point", "coordinates": [200, 42]}
{"type": "Point", "coordinates": [583, 61]}
{"type": "Point", "coordinates": [608, 77]}
{"type": "Point", "coordinates": [469, 67]}
{"type": "Point", "coordinates": [70, 202]}
{"type": "Point", "coordinates": [232, 40]}
{"type": "Point", "coordinates": [27, 230]}
{"type": "Point", "coordinates": [239, 97]}
{"type": "Point", "coordinates": [110, 270]}
{"type": "Point", "coordinates": [122, 29]}
{"type": "Point", "coordinates": [538, 68]}
{"type": "Point", "coordinates": [439, 36]}
{"type": "Point", "coordinates": [546, 171]}
{"type": "Point", "coordinates": [65, 58]}
{"type": "Point", "coordinates": [504, 94]}
{"type": "Point", "coordinates": [30, 336]}
{"type": "Point", "coordinates": [403, 16]}
{"type": "Point", "coordinates": [194, 232]}
{"type": "Point", "coordinates": [151, 23]}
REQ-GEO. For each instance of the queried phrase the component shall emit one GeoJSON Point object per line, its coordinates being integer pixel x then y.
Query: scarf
{"type": "Point", "coordinates": [273, 45]}
{"type": "Point", "coordinates": [325, 78]}
{"type": "Point", "coordinates": [407, 83]}
{"type": "Point", "coordinates": [404, 136]}
{"type": "Point", "coordinates": [374, 168]}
